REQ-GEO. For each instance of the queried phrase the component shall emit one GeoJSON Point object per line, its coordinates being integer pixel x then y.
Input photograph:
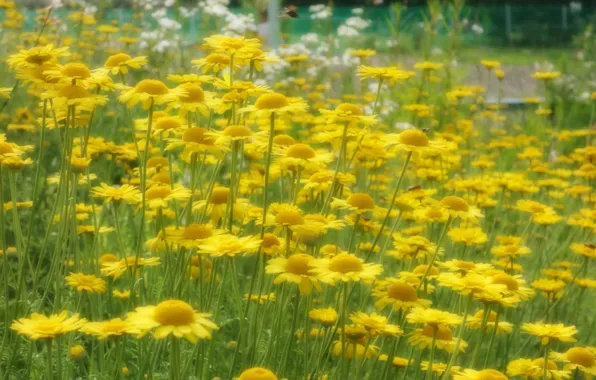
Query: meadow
{"type": "Point", "coordinates": [334, 208]}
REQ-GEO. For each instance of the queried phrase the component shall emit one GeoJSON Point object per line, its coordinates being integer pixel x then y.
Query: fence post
{"type": "Point", "coordinates": [273, 13]}
{"type": "Point", "coordinates": [508, 21]}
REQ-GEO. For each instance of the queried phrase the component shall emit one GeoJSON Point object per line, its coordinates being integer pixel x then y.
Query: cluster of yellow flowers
{"type": "Point", "coordinates": [285, 233]}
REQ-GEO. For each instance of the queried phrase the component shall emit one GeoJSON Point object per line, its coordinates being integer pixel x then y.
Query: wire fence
{"type": "Point", "coordinates": [505, 24]}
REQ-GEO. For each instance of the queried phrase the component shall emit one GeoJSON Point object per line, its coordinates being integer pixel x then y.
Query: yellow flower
{"type": "Point", "coordinates": [257, 373]}
{"type": "Point", "coordinates": [171, 317]}
{"type": "Point", "coordinates": [230, 245]}
{"type": "Point", "coordinates": [213, 62]}
{"type": "Point", "coordinates": [294, 269]}
{"type": "Point", "coordinates": [534, 369]}
{"type": "Point", "coordinates": [428, 66]}
{"type": "Point", "coordinates": [273, 102]}
{"type": "Point", "coordinates": [158, 196]}
{"type": "Point", "coordinates": [475, 322]}
{"type": "Point", "coordinates": [376, 324]}
{"type": "Point", "coordinates": [398, 294]}
{"type": "Point", "coordinates": [383, 73]}
{"type": "Point", "coordinates": [485, 374]}
{"type": "Point", "coordinates": [412, 140]}
{"type": "Point", "coordinates": [77, 352]}
{"type": "Point", "coordinates": [490, 64]}
{"type": "Point", "coordinates": [458, 208]}
{"type": "Point", "coordinates": [587, 250]}
{"type": "Point", "coordinates": [109, 193]}
{"type": "Point", "coordinates": [432, 317]}
{"type": "Point", "coordinates": [550, 332]}
{"type": "Point", "coordinates": [441, 335]}
{"type": "Point", "coordinates": [345, 268]}
{"type": "Point", "coordinates": [231, 45]}
{"type": "Point", "coordinates": [347, 113]}
{"type": "Point", "coordinates": [148, 92]}
{"type": "Point", "coordinates": [326, 317]}
{"type": "Point", "coordinates": [39, 326]}
{"type": "Point", "coordinates": [115, 269]}
{"type": "Point", "coordinates": [468, 236]}
{"type": "Point", "coordinates": [121, 62]}
{"type": "Point", "coordinates": [86, 283]}
{"type": "Point", "coordinates": [546, 75]}
{"type": "Point", "coordinates": [36, 56]}
{"type": "Point", "coordinates": [107, 329]}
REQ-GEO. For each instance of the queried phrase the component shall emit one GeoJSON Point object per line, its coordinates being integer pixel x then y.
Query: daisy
{"type": "Point", "coordinates": [550, 332]}
{"type": "Point", "coordinates": [86, 283]}
{"type": "Point", "coordinates": [39, 326]}
{"type": "Point", "coordinates": [398, 294]}
{"type": "Point", "coordinates": [171, 317]}
{"type": "Point", "coordinates": [345, 268]}
{"type": "Point", "coordinates": [120, 63]}
{"type": "Point", "coordinates": [294, 269]}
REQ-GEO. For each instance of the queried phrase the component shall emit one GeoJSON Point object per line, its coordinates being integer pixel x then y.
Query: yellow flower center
{"type": "Point", "coordinates": [413, 137]}
{"type": "Point", "coordinates": [194, 93]}
{"type": "Point", "coordinates": [76, 70]}
{"type": "Point", "coordinates": [298, 264]}
{"type": "Point", "coordinates": [158, 192]}
{"type": "Point", "coordinates": [443, 332]}
{"type": "Point", "coordinates": [257, 373]}
{"type": "Point", "coordinates": [219, 195]}
{"type": "Point", "coordinates": [345, 263]}
{"type": "Point", "coordinates": [454, 203]}
{"type": "Point", "coordinates": [271, 101]}
{"type": "Point", "coordinates": [151, 87]}
{"type": "Point", "coordinates": [38, 59]}
{"type": "Point", "coordinates": [421, 269]}
{"type": "Point", "coordinates": [361, 201]}
{"type": "Point", "coordinates": [403, 292]}
{"type": "Point", "coordinates": [218, 59]}
{"type": "Point", "coordinates": [108, 258]}
{"type": "Point", "coordinates": [537, 208]}
{"type": "Point", "coordinates": [284, 140]}
{"type": "Point", "coordinates": [196, 135]}
{"type": "Point", "coordinates": [162, 178]}
{"type": "Point", "coordinates": [349, 108]}
{"type": "Point", "coordinates": [166, 123]}
{"type": "Point", "coordinates": [237, 131]}
{"type": "Point", "coordinates": [196, 231]}
{"type": "Point", "coordinates": [116, 60]}
{"type": "Point", "coordinates": [269, 240]}
{"type": "Point", "coordinates": [174, 313]}
{"type": "Point", "coordinates": [302, 151]}
{"type": "Point", "coordinates": [490, 374]}
{"type": "Point", "coordinates": [5, 148]}
{"type": "Point", "coordinates": [73, 92]}
{"type": "Point", "coordinates": [157, 162]}
{"type": "Point", "coordinates": [289, 218]}
{"type": "Point", "coordinates": [507, 280]}
{"type": "Point", "coordinates": [581, 356]}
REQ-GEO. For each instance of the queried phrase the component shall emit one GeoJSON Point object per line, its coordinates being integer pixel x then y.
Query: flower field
{"type": "Point", "coordinates": [321, 210]}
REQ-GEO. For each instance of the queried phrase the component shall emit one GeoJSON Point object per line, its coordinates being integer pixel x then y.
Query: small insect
{"type": "Point", "coordinates": [425, 130]}
{"type": "Point", "coordinates": [415, 187]}
{"type": "Point", "coordinates": [290, 11]}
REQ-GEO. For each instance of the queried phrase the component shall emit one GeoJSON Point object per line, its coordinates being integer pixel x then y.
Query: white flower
{"type": "Point", "coordinates": [316, 8]}
{"type": "Point", "coordinates": [357, 11]}
{"type": "Point", "coordinates": [312, 38]}
{"type": "Point", "coordinates": [168, 23]}
{"type": "Point", "coordinates": [477, 29]}
{"type": "Point", "coordinates": [357, 23]}
{"type": "Point", "coordinates": [347, 31]}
